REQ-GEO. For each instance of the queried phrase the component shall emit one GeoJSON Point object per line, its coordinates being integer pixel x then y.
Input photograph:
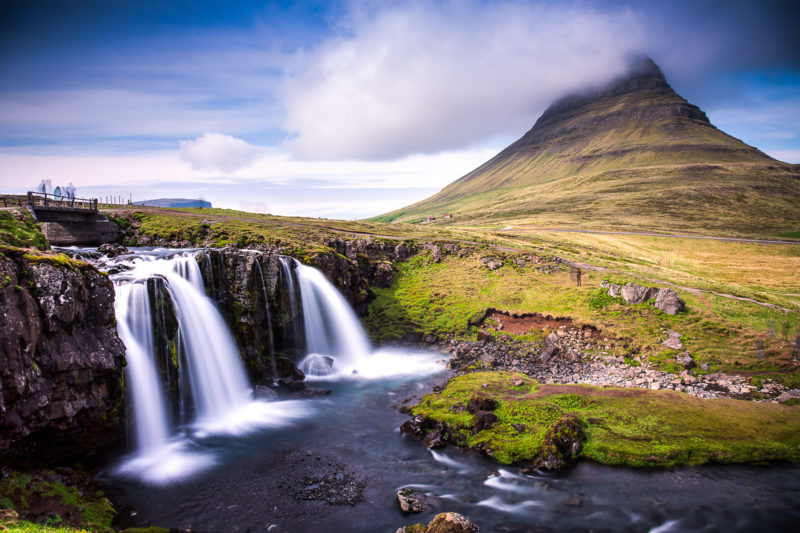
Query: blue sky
{"type": "Point", "coordinates": [351, 109]}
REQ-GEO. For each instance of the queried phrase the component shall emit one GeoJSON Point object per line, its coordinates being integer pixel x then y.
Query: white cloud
{"type": "Point", "coordinates": [216, 151]}
{"type": "Point", "coordinates": [21, 170]}
{"type": "Point", "coordinates": [429, 76]}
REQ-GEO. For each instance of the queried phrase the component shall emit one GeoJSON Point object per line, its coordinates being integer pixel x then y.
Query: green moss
{"type": "Point", "coordinates": [59, 260]}
{"type": "Point", "coordinates": [88, 511]}
{"type": "Point", "coordinates": [636, 427]}
{"type": "Point", "coordinates": [27, 234]}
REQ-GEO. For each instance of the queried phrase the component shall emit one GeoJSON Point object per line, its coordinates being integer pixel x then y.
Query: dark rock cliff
{"type": "Point", "coordinates": [61, 362]}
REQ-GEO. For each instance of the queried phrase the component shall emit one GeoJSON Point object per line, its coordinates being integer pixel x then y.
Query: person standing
{"type": "Point", "coordinates": [42, 187]}
{"type": "Point", "coordinates": [71, 193]}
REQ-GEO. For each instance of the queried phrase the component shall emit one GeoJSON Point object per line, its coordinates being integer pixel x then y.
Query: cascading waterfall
{"type": "Point", "coordinates": [335, 341]}
{"type": "Point", "coordinates": [219, 386]}
{"type": "Point", "coordinates": [218, 381]}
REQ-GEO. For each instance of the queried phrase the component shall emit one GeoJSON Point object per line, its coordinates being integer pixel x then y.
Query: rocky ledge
{"type": "Point", "coordinates": [574, 354]}
{"type": "Point", "coordinates": [61, 362]}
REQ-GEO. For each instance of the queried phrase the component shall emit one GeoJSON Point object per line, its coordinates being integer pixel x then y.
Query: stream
{"type": "Point", "coordinates": [259, 480]}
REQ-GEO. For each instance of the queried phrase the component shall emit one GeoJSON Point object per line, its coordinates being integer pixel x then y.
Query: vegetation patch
{"type": "Point", "coordinates": [21, 233]}
{"type": "Point", "coordinates": [50, 500]}
{"type": "Point", "coordinates": [635, 427]}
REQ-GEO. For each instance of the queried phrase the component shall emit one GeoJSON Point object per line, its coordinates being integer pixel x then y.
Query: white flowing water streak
{"type": "Point", "coordinates": [269, 322]}
{"type": "Point", "coordinates": [218, 382]}
{"type": "Point", "coordinates": [335, 341]}
{"type": "Point", "coordinates": [135, 331]}
{"type": "Point", "coordinates": [288, 278]}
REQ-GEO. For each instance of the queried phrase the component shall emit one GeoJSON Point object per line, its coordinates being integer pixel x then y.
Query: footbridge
{"type": "Point", "coordinates": [70, 221]}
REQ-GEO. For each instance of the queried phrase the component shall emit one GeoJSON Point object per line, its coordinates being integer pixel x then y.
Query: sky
{"type": "Point", "coordinates": [351, 109]}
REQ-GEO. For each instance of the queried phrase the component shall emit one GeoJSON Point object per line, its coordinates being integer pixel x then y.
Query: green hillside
{"type": "Point", "coordinates": [632, 155]}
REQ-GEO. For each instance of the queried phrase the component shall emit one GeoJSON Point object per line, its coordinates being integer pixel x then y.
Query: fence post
{"type": "Point", "coordinates": [30, 198]}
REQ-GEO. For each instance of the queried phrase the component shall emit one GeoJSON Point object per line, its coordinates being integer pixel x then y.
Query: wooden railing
{"type": "Point", "coordinates": [52, 200]}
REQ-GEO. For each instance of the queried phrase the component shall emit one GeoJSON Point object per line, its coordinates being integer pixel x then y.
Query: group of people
{"type": "Point", "coordinates": [60, 193]}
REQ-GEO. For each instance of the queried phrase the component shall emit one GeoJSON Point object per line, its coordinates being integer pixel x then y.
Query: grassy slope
{"type": "Point", "coordinates": [221, 227]}
{"type": "Point", "coordinates": [439, 299]}
{"type": "Point", "coordinates": [659, 172]}
{"type": "Point", "coordinates": [623, 426]}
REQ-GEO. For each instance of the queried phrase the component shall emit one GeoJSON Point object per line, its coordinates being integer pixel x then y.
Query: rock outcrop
{"type": "Point", "coordinates": [669, 302]}
{"type": "Point", "coordinates": [61, 361]}
{"type": "Point", "coordinates": [666, 300]}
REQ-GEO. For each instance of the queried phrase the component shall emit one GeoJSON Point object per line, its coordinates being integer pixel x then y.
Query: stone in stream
{"type": "Point", "coordinates": [452, 523]}
{"type": "Point", "coordinates": [260, 392]}
{"type": "Point", "coordinates": [408, 500]}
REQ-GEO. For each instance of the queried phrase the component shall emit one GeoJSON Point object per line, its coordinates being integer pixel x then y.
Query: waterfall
{"type": "Point", "coordinates": [335, 341]}
{"type": "Point", "coordinates": [135, 331]}
{"type": "Point", "coordinates": [219, 387]}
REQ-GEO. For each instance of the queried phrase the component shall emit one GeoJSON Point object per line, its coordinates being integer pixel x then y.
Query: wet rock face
{"type": "Point", "coordinates": [248, 289]}
{"type": "Point", "coordinates": [61, 362]}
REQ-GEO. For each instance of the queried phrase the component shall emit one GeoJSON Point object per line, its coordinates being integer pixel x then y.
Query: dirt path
{"type": "Point", "coordinates": [647, 234]}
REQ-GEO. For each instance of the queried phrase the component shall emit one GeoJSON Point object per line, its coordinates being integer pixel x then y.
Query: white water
{"type": "Point", "coordinates": [219, 386]}
{"type": "Point", "coordinates": [335, 341]}
{"type": "Point", "coordinates": [133, 325]}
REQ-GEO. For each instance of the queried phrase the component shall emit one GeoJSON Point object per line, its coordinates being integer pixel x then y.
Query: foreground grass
{"type": "Point", "coordinates": [635, 427]}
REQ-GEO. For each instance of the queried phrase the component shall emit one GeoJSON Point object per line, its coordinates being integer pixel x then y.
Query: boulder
{"type": "Point", "coordinates": [112, 250]}
{"type": "Point", "coordinates": [669, 302]}
{"type": "Point", "coordinates": [636, 294]}
{"type": "Point", "coordinates": [484, 336]}
{"type": "Point", "coordinates": [673, 340]}
{"type": "Point", "coordinates": [410, 501]}
{"type": "Point", "coordinates": [452, 523]}
{"type": "Point", "coordinates": [492, 263]}
{"type": "Point", "coordinates": [260, 392]}
{"type": "Point", "coordinates": [414, 528]}
{"type": "Point", "coordinates": [789, 395]}
{"type": "Point", "coordinates": [614, 289]}
{"type": "Point", "coordinates": [562, 444]}
{"type": "Point", "coordinates": [686, 360]}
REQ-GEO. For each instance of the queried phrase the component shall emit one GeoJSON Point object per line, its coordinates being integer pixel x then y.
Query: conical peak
{"type": "Point", "coordinates": [643, 74]}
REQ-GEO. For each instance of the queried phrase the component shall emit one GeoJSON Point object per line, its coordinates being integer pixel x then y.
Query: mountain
{"type": "Point", "coordinates": [632, 155]}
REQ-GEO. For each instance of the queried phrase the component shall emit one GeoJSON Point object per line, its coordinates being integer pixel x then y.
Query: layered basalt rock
{"type": "Point", "coordinates": [61, 361]}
